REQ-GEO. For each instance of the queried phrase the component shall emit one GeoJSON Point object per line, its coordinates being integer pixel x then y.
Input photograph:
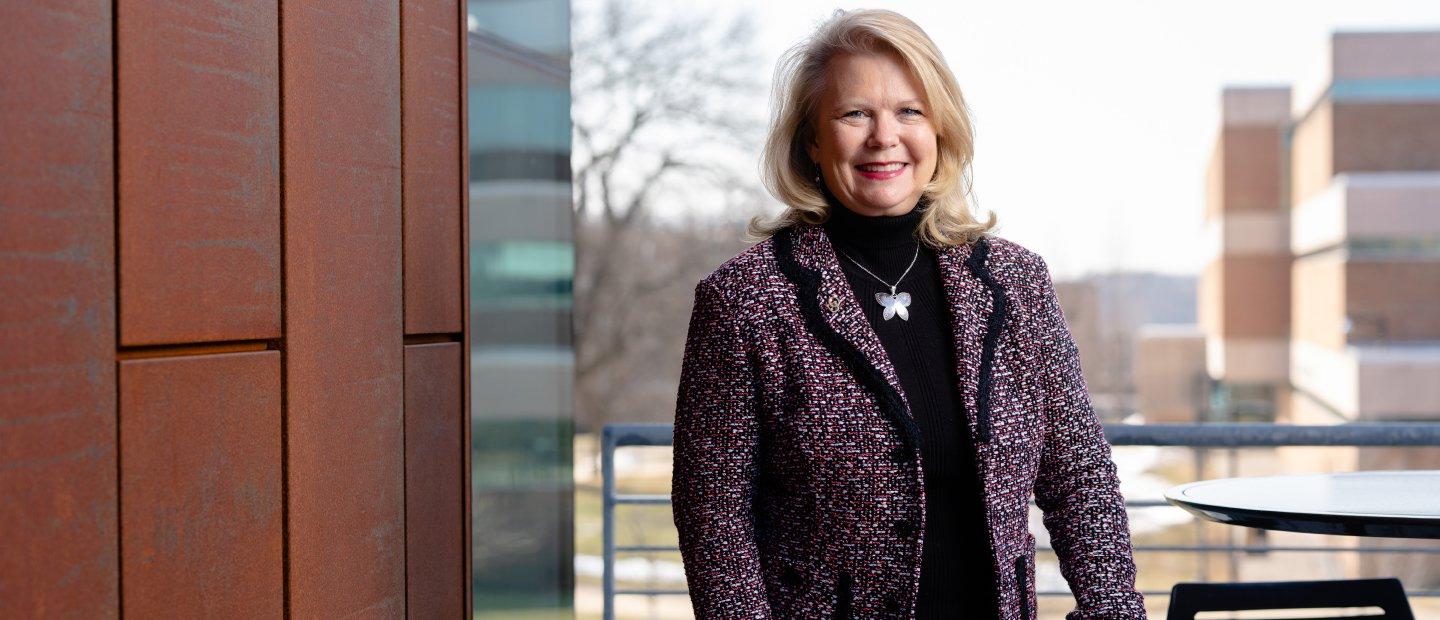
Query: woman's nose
{"type": "Point", "coordinates": [882, 132]}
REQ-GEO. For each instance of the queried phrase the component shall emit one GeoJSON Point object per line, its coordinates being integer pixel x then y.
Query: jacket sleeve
{"type": "Point", "coordinates": [716, 447]}
{"type": "Point", "coordinates": [1077, 487]}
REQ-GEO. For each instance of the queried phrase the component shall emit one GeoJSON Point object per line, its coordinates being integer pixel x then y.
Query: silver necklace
{"type": "Point", "coordinates": [895, 303]}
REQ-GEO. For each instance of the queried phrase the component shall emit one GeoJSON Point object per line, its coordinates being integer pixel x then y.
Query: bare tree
{"type": "Point", "coordinates": [668, 109]}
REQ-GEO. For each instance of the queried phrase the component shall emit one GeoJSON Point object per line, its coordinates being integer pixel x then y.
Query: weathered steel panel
{"type": "Point", "coordinates": [432, 166]}
{"type": "Point", "coordinates": [434, 514]}
{"type": "Point", "coordinates": [199, 177]}
{"type": "Point", "coordinates": [343, 307]}
{"type": "Point", "coordinates": [57, 318]}
{"type": "Point", "coordinates": [201, 486]}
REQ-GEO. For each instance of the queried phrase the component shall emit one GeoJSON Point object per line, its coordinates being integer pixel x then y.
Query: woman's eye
{"type": "Point", "coordinates": [848, 114]}
{"type": "Point", "coordinates": [912, 110]}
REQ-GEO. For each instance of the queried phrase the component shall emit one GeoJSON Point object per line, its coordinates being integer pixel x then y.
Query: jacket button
{"type": "Point", "coordinates": [905, 528]}
{"type": "Point", "coordinates": [893, 605]}
{"type": "Point", "coordinates": [900, 454]}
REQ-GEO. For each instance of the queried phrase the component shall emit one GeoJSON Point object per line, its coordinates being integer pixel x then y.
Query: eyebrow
{"type": "Point", "coordinates": [853, 103]}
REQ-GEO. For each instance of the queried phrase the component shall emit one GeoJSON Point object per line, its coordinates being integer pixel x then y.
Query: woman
{"type": "Point", "coordinates": [870, 394]}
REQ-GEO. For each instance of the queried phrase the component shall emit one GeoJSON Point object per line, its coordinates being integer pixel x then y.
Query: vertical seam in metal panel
{"type": "Point", "coordinates": [284, 328]}
{"type": "Point", "coordinates": [404, 375]}
{"type": "Point", "coordinates": [115, 230]}
{"type": "Point", "coordinates": [115, 152]}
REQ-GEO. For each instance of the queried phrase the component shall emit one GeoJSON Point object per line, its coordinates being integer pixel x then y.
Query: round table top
{"type": "Point", "coordinates": [1396, 504]}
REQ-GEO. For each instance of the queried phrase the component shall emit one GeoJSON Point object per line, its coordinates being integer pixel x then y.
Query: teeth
{"type": "Point", "coordinates": [881, 168]}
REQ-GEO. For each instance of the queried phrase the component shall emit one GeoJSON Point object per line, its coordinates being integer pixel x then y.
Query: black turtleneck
{"type": "Point", "coordinates": [956, 576]}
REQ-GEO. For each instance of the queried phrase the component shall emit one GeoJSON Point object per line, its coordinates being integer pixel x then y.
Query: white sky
{"type": "Point", "coordinates": [1094, 119]}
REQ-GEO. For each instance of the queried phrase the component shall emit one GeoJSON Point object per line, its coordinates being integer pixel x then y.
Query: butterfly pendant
{"type": "Point", "coordinates": [895, 304]}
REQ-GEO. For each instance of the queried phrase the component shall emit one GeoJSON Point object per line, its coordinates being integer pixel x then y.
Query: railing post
{"type": "Point", "coordinates": [1202, 565]}
{"type": "Point", "coordinates": [1231, 533]}
{"type": "Point", "coordinates": [607, 498]}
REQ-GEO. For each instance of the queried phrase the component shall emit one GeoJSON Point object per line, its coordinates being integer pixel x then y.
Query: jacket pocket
{"type": "Point", "coordinates": [1022, 584]}
{"type": "Point", "coordinates": [842, 596]}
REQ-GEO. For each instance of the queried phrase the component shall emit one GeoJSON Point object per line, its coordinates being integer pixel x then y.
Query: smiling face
{"type": "Point", "coordinates": [874, 142]}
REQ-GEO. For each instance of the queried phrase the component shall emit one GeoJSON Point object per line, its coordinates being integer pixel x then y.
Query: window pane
{"type": "Point", "coordinates": [521, 269]}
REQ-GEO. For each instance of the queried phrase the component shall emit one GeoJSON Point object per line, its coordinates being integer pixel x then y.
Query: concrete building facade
{"type": "Point", "coordinates": [1244, 305]}
{"type": "Point", "coordinates": [1365, 210]}
{"type": "Point", "coordinates": [1170, 374]}
{"type": "Point", "coordinates": [1319, 297]}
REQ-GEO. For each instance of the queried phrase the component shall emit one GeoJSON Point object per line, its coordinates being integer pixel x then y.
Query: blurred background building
{"type": "Point", "coordinates": [1171, 385]}
{"type": "Point", "coordinates": [522, 258]}
{"type": "Point", "coordinates": [1318, 299]}
{"type": "Point", "coordinates": [1365, 212]}
{"type": "Point", "coordinates": [1244, 305]}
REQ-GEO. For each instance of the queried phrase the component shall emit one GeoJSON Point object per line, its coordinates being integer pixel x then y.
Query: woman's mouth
{"type": "Point", "coordinates": [881, 171]}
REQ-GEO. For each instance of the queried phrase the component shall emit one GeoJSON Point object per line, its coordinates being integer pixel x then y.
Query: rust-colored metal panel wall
{"type": "Point", "coordinates": [259, 466]}
{"type": "Point", "coordinates": [200, 486]}
{"type": "Point", "coordinates": [434, 539]}
{"type": "Point", "coordinates": [199, 180]}
{"type": "Point", "coordinates": [432, 170]}
{"type": "Point", "coordinates": [57, 318]}
{"type": "Point", "coordinates": [341, 84]}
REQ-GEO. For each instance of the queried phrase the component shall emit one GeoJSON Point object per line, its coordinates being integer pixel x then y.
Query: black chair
{"type": "Point", "coordinates": [1188, 599]}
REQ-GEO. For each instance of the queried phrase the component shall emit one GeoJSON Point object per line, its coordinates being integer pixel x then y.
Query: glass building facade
{"type": "Point", "coordinates": [521, 270]}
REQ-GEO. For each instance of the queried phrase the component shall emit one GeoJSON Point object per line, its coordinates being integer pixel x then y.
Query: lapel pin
{"type": "Point", "coordinates": [834, 303]}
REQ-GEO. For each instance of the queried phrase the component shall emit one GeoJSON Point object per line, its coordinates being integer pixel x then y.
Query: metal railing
{"type": "Point", "coordinates": [1217, 435]}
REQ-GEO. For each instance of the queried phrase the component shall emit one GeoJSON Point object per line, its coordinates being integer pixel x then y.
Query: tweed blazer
{"type": "Point", "coordinates": [798, 487]}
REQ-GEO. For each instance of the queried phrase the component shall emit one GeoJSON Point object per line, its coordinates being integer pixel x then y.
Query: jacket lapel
{"type": "Point", "coordinates": [834, 315]}
{"type": "Point", "coordinates": [971, 312]}
{"type": "Point", "coordinates": [840, 306]}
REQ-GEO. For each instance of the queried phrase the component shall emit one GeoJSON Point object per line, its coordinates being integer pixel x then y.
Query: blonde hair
{"type": "Point", "coordinates": [786, 167]}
